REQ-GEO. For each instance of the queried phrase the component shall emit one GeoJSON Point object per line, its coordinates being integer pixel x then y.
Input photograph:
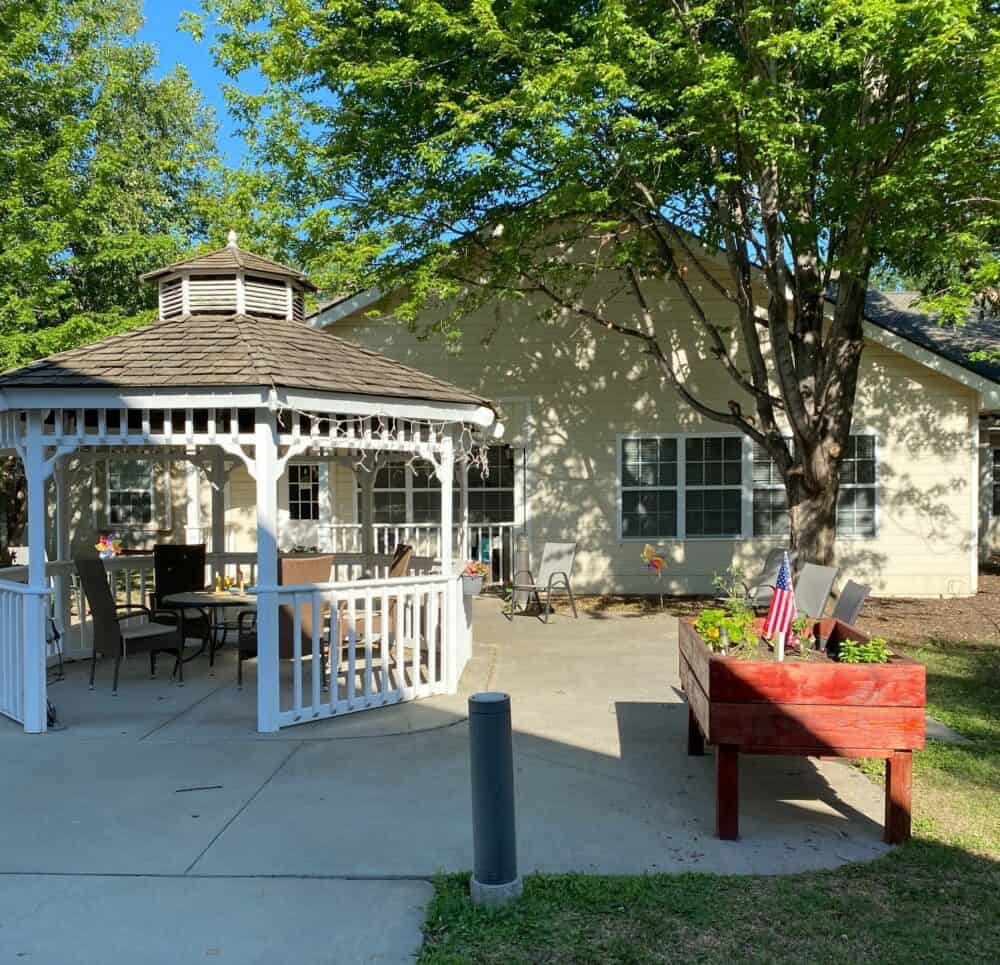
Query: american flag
{"type": "Point", "coordinates": [781, 612]}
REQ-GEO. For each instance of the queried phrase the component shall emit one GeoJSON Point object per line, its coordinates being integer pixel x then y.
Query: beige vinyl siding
{"type": "Point", "coordinates": [586, 389]}
{"type": "Point", "coordinates": [87, 484]}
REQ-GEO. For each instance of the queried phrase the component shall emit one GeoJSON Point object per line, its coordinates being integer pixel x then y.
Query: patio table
{"type": "Point", "coordinates": [215, 602]}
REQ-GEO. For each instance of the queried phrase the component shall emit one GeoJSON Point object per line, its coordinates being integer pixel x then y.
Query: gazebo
{"type": "Point", "coordinates": [230, 374]}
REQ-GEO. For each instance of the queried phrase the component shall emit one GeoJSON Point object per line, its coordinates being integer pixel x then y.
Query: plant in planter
{"type": "Point", "coordinates": [718, 625]}
{"type": "Point", "coordinates": [473, 576]}
{"type": "Point", "coordinates": [875, 650]}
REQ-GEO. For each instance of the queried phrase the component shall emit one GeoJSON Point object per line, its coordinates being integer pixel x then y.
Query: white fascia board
{"type": "Point", "coordinates": [126, 398]}
{"type": "Point", "coordinates": [989, 392]}
{"type": "Point", "coordinates": [366, 405]}
{"type": "Point", "coordinates": [346, 307]}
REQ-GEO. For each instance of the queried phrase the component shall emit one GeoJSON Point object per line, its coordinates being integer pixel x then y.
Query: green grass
{"type": "Point", "coordinates": [937, 899]}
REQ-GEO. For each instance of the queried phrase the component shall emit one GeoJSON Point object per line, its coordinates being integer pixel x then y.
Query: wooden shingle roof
{"type": "Point", "coordinates": [237, 350]}
{"type": "Point", "coordinates": [231, 258]}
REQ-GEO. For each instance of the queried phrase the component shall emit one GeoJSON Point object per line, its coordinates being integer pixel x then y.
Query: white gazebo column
{"type": "Point", "coordinates": [463, 507]}
{"type": "Point", "coordinates": [192, 522]}
{"type": "Point", "coordinates": [34, 600]}
{"type": "Point", "coordinates": [366, 480]}
{"type": "Point", "coordinates": [324, 526]}
{"type": "Point", "coordinates": [266, 472]}
{"type": "Point", "coordinates": [454, 655]}
{"type": "Point", "coordinates": [217, 480]}
{"type": "Point", "coordinates": [61, 584]}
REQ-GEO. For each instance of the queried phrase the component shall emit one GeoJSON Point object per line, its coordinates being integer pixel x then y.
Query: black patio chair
{"type": "Point", "coordinates": [180, 568]}
{"type": "Point", "coordinates": [162, 633]}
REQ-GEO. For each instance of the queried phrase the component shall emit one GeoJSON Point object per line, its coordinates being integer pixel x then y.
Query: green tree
{"type": "Point", "coordinates": [458, 148]}
{"type": "Point", "coordinates": [105, 172]}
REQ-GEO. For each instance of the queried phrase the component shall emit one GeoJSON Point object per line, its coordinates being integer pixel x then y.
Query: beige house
{"type": "Point", "coordinates": [598, 450]}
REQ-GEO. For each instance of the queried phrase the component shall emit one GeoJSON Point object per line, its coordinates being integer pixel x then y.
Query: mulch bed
{"type": "Point", "coordinates": [907, 620]}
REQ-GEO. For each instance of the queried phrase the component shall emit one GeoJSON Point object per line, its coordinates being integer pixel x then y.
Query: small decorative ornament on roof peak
{"type": "Point", "coordinates": [231, 239]}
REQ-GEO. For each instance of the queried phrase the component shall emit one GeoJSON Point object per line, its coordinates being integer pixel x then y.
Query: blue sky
{"type": "Point", "coordinates": [162, 18]}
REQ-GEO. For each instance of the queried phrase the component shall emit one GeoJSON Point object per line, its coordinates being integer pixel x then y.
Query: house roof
{"type": "Point", "coordinates": [231, 258]}
{"type": "Point", "coordinates": [211, 351]}
{"type": "Point", "coordinates": [896, 312]}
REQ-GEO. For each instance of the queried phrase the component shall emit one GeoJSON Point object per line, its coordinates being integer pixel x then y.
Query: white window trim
{"type": "Point", "coordinates": [876, 485]}
{"type": "Point", "coordinates": [621, 488]}
{"type": "Point", "coordinates": [747, 488]}
{"type": "Point", "coordinates": [161, 502]}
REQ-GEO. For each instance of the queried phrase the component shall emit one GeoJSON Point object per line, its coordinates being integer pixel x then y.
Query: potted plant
{"type": "Point", "coordinates": [472, 577]}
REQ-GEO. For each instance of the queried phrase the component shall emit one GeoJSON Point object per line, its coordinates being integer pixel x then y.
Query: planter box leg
{"type": "Point", "coordinates": [727, 792]}
{"type": "Point", "coordinates": [696, 740]}
{"type": "Point", "coordinates": [898, 788]}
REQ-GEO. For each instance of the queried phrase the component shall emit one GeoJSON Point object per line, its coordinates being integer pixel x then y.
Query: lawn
{"type": "Point", "coordinates": [936, 899]}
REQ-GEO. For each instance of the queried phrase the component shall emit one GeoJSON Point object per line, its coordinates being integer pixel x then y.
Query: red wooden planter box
{"type": "Point", "coordinates": [815, 708]}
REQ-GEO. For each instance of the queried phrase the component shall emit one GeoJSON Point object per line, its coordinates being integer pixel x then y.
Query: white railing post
{"type": "Point", "coordinates": [34, 616]}
{"type": "Point", "coordinates": [265, 468]}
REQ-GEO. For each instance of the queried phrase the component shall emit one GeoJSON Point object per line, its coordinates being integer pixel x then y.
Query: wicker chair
{"type": "Point", "coordinates": [292, 571]}
{"type": "Point", "coordinates": [162, 632]}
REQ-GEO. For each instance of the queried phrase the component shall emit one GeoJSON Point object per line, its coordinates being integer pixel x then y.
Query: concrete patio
{"type": "Point", "coordinates": [167, 782]}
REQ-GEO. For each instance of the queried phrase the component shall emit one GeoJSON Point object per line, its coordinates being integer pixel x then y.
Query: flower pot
{"type": "Point", "coordinates": [472, 585]}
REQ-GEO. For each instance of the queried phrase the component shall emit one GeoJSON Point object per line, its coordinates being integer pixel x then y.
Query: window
{"type": "Point", "coordinates": [856, 499]}
{"type": "Point", "coordinates": [770, 502]}
{"type": "Point", "coordinates": [649, 488]}
{"type": "Point", "coordinates": [491, 496]}
{"type": "Point", "coordinates": [390, 494]}
{"type": "Point", "coordinates": [426, 489]}
{"type": "Point", "coordinates": [410, 491]}
{"type": "Point", "coordinates": [713, 486]}
{"type": "Point", "coordinates": [303, 492]}
{"type": "Point", "coordinates": [131, 490]}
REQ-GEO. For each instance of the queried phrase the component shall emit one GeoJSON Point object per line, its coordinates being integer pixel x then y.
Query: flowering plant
{"type": "Point", "coordinates": [108, 546]}
{"type": "Point", "coordinates": [475, 569]}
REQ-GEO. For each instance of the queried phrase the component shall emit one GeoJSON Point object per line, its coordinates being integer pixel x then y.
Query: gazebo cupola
{"type": "Point", "coordinates": [231, 281]}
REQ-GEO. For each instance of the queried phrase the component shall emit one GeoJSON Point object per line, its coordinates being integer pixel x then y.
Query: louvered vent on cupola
{"type": "Point", "coordinates": [231, 281]}
{"type": "Point", "coordinates": [267, 297]}
{"type": "Point", "coordinates": [212, 294]}
{"type": "Point", "coordinates": [171, 298]}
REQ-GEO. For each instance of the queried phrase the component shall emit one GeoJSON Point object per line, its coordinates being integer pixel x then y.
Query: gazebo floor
{"type": "Point", "coordinates": [209, 705]}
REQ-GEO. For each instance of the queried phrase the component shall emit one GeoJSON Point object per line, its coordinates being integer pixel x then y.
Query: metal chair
{"type": "Point", "coordinates": [849, 603]}
{"type": "Point", "coordinates": [554, 573]}
{"type": "Point", "coordinates": [292, 571]}
{"type": "Point", "coordinates": [813, 588]}
{"type": "Point", "coordinates": [760, 589]}
{"type": "Point", "coordinates": [111, 637]}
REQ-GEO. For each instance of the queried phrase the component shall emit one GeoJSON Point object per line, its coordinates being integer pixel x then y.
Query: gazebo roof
{"type": "Point", "coordinates": [230, 258]}
{"type": "Point", "coordinates": [237, 350]}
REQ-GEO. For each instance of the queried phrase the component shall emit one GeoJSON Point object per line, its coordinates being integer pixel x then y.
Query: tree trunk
{"type": "Point", "coordinates": [812, 486]}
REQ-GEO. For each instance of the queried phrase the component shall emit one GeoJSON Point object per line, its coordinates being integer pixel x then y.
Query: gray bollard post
{"type": "Point", "coordinates": [494, 876]}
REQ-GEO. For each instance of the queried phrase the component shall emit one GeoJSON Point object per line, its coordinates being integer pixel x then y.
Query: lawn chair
{"type": "Point", "coordinates": [554, 573]}
{"type": "Point", "coordinates": [760, 589]}
{"type": "Point", "coordinates": [813, 588]}
{"type": "Point", "coordinates": [849, 603]}
{"type": "Point", "coordinates": [292, 571]}
{"type": "Point", "coordinates": [161, 634]}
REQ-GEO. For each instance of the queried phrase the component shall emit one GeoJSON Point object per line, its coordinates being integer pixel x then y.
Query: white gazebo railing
{"type": "Point", "coordinates": [22, 654]}
{"type": "Point", "coordinates": [496, 538]}
{"type": "Point", "coordinates": [389, 641]}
